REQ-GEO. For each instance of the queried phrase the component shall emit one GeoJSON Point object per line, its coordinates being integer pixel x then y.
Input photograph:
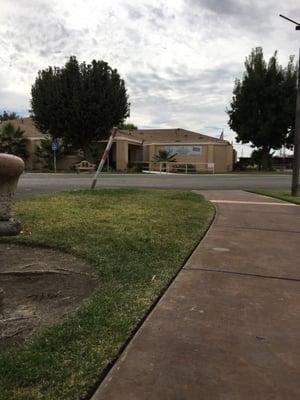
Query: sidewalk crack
{"type": "Point", "coordinates": [256, 229]}
{"type": "Point", "coordinates": [222, 271]}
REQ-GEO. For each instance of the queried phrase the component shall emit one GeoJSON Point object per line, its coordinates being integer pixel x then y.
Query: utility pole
{"type": "Point", "coordinates": [296, 161]}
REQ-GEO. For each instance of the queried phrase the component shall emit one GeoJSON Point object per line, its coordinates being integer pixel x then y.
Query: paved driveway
{"type": "Point", "coordinates": [36, 183]}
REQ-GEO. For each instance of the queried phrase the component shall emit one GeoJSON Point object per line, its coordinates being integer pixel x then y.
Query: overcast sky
{"type": "Point", "coordinates": [179, 58]}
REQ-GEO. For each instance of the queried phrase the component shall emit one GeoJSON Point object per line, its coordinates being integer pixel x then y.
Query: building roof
{"type": "Point", "coordinates": [138, 136]}
{"type": "Point", "coordinates": [127, 135]}
{"type": "Point", "coordinates": [156, 136]}
{"type": "Point", "coordinates": [26, 125]}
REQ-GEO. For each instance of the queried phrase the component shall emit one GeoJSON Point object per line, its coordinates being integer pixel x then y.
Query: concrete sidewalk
{"type": "Point", "coordinates": [228, 327]}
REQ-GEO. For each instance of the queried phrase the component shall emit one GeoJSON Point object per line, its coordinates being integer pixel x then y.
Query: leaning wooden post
{"type": "Point", "coordinates": [104, 156]}
{"type": "Point", "coordinates": [11, 167]}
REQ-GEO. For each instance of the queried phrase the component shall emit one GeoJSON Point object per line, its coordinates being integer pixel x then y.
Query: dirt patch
{"type": "Point", "coordinates": [38, 287]}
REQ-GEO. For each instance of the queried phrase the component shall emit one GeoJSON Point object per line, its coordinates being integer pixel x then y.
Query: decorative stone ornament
{"type": "Point", "coordinates": [11, 167]}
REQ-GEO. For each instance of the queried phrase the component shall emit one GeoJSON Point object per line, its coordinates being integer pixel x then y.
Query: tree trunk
{"type": "Point", "coordinates": [265, 160]}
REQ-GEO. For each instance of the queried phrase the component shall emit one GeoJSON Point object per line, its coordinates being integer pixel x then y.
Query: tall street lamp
{"type": "Point", "coordinates": [296, 162]}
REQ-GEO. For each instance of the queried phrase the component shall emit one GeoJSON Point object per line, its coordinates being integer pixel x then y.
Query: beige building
{"type": "Point", "coordinates": [192, 151]}
{"type": "Point", "coordinates": [34, 137]}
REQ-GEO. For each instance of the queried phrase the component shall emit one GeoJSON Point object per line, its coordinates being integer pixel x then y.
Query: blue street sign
{"type": "Point", "coordinates": [54, 146]}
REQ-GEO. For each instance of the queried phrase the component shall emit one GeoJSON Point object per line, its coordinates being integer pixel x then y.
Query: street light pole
{"type": "Point", "coordinates": [296, 161]}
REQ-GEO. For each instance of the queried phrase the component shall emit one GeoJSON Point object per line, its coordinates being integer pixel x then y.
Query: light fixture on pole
{"type": "Point", "coordinates": [296, 162]}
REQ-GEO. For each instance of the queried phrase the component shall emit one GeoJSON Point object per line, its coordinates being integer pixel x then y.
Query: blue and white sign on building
{"type": "Point", "coordinates": [184, 150]}
{"type": "Point", "coordinates": [54, 146]}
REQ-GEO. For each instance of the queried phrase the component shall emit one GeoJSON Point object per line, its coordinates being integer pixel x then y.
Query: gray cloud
{"type": "Point", "coordinates": [179, 60]}
{"type": "Point", "coordinates": [42, 32]}
{"type": "Point", "coordinates": [14, 102]}
{"type": "Point", "coordinates": [205, 82]}
{"type": "Point", "coordinates": [253, 16]}
{"type": "Point", "coordinates": [156, 17]}
{"type": "Point", "coordinates": [228, 7]}
{"type": "Point", "coordinates": [185, 100]}
{"type": "Point", "coordinates": [133, 35]}
{"type": "Point", "coordinates": [133, 13]}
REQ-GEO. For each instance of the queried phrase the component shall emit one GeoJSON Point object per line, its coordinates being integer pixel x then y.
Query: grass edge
{"type": "Point", "coordinates": [112, 363]}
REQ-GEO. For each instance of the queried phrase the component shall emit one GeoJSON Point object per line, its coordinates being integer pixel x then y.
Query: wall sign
{"type": "Point", "coordinates": [184, 150]}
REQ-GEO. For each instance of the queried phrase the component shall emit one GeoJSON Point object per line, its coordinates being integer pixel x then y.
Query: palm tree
{"type": "Point", "coordinates": [164, 156]}
{"type": "Point", "coordinates": [12, 141]}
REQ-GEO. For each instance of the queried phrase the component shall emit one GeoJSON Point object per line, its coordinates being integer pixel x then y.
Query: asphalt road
{"type": "Point", "coordinates": [32, 184]}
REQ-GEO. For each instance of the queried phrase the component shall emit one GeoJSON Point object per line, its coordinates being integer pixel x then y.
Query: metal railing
{"type": "Point", "coordinates": [173, 167]}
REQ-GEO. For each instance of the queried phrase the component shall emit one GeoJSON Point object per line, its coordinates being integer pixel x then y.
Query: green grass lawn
{"type": "Point", "coordinates": [282, 195]}
{"type": "Point", "coordinates": [137, 241]}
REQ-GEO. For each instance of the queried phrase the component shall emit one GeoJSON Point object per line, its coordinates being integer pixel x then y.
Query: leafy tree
{"type": "Point", "coordinates": [6, 116]}
{"type": "Point", "coordinates": [257, 158]}
{"type": "Point", "coordinates": [44, 151]}
{"type": "Point", "coordinates": [262, 110]}
{"type": "Point", "coordinates": [12, 141]}
{"type": "Point", "coordinates": [128, 127]}
{"type": "Point", "coordinates": [79, 103]}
